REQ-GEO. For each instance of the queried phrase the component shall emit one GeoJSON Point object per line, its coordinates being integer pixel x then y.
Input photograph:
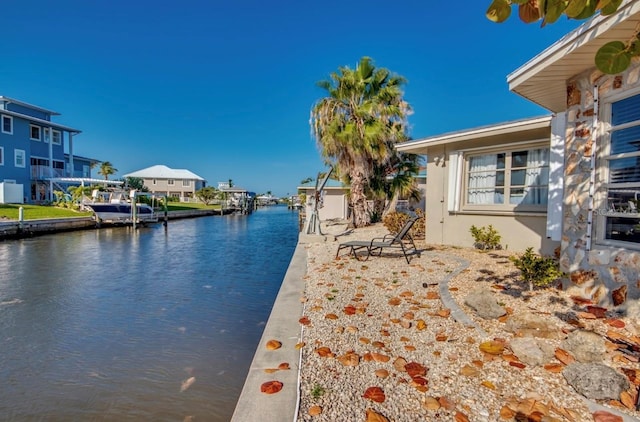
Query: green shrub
{"type": "Point", "coordinates": [485, 237]}
{"type": "Point", "coordinates": [394, 221]}
{"type": "Point", "coordinates": [537, 270]}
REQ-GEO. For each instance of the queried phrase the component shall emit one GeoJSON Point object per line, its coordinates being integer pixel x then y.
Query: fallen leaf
{"type": "Point", "coordinates": [273, 345]}
{"type": "Point", "coordinates": [419, 381]}
{"type": "Point", "coordinates": [374, 393]}
{"type": "Point", "coordinates": [324, 352]}
{"type": "Point", "coordinates": [271, 387]}
{"type": "Point", "coordinates": [564, 356]}
{"type": "Point", "coordinates": [469, 371]}
{"type": "Point", "coordinates": [315, 410]}
{"type": "Point", "coordinates": [492, 347]}
{"type": "Point", "coordinates": [399, 364]}
{"type": "Point", "coordinates": [349, 359]}
{"type": "Point", "coordinates": [518, 365]}
{"type": "Point", "coordinates": [586, 315]}
{"type": "Point", "coordinates": [378, 344]}
{"type": "Point", "coordinates": [270, 370]}
{"type": "Point", "coordinates": [350, 310]}
{"type": "Point", "coordinates": [444, 312]}
{"type": "Point", "coordinates": [431, 403]}
{"type": "Point", "coordinates": [379, 357]}
{"type": "Point", "coordinates": [433, 295]}
{"type": "Point", "coordinates": [617, 323]}
{"type": "Point", "coordinates": [373, 416]}
{"type": "Point", "coordinates": [421, 325]}
{"type": "Point", "coordinates": [488, 384]}
{"type": "Point", "coordinates": [604, 416]}
{"type": "Point", "coordinates": [364, 340]}
{"type": "Point", "coordinates": [461, 417]}
{"type": "Point", "coordinates": [598, 311]}
{"type": "Point", "coordinates": [382, 373]}
{"type": "Point", "coordinates": [627, 399]}
{"type": "Point", "coordinates": [304, 321]}
{"type": "Point", "coordinates": [441, 337]}
{"type": "Point", "coordinates": [507, 413]}
{"type": "Point", "coordinates": [415, 369]}
{"type": "Point", "coordinates": [284, 366]}
{"type": "Point", "coordinates": [554, 367]}
{"type": "Point", "coordinates": [300, 345]}
{"type": "Point", "coordinates": [331, 316]}
{"type": "Point", "coordinates": [409, 348]}
{"type": "Point", "coordinates": [446, 403]}
{"type": "Point", "coordinates": [351, 329]}
{"type": "Point", "coordinates": [395, 301]}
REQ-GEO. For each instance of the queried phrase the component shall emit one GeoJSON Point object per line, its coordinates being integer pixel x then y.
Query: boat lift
{"type": "Point", "coordinates": [312, 225]}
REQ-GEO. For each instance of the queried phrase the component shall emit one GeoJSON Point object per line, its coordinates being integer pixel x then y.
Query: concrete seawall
{"type": "Point", "coordinates": [283, 325]}
{"type": "Point", "coordinates": [13, 229]}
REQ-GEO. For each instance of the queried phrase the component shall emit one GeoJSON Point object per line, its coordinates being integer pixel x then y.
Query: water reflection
{"type": "Point", "coordinates": [108, 325]}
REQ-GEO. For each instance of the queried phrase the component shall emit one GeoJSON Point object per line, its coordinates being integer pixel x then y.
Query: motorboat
{"type": "Point", "coordinates": [119, 206]}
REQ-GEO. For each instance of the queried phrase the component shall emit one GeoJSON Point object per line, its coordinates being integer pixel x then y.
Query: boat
{"type": "Point", "coordinates": [119, 206]}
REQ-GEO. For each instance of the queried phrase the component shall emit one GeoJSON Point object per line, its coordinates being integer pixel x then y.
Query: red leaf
{"type": "Point", "coordinates": [374, 393]}
{"type": "Point", "coordinates": [415, 369]}
{"type": "Point", "coordinates": [349, 310]}
{"type": "Point", "coordinates": [271, 387]}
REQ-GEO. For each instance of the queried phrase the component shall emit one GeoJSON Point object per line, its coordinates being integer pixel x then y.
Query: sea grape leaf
{"type": "Point", "coordinates": [613, 58]}
{"type": "Point", "coordinates": [499, 11]}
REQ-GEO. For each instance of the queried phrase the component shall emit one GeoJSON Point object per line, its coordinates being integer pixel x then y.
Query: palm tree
{"type": "Point", "coordinates": [357, 124]}
{"type": "Point", "coordinates": [107, 169]}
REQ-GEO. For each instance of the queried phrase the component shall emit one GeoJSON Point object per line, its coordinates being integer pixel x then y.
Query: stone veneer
{"type": "Point", "coordinates": [606, 275]}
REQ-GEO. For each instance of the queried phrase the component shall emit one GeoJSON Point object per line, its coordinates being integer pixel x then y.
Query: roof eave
{"type": "Point", "coordinates": [517, 126]}
{"type": "Point", "coordinates": [543, 79]}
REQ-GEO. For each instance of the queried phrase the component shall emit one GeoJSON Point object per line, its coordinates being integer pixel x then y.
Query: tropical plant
{"type": "Point", "coordinates": [356, 125]}
{"type": "Point", "coordinates": [207, 194]}
{"type": "Point", "coordinates": [107, 169]}
{"type": "Point", "coordinates": [613, 57]}
{"type": "Point", "coordinates": [394, 178]}
{"type": "Point", "coordinates": [537, 270]}
{"type": "Point", "coordinates": [395, 221]}
{"type": "Point", "coordinates": [136, 183]}
{"type": "Point", "coordinates": [485, 237]}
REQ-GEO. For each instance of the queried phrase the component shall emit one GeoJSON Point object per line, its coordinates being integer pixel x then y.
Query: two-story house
{"type": "Point", "coordinates": [32, 149]}
{"type": "Point", "coordinates": [177, 183]}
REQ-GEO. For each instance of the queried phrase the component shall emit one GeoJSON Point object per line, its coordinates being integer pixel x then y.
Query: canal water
{"type": "Point", "coordinates": [138, 325]}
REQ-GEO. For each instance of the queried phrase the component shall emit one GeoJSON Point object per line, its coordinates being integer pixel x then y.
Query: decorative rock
{"type": "Point", "coordinates": [595, 380]}
{"type": "Point", "coordinates": [485, 304]}
{"type": "Point", "coordinates": [526, 324]}
{"type": "Point", "coordinates": [528, 351]}
{"type": "Point", "coordinates": [585, 346]}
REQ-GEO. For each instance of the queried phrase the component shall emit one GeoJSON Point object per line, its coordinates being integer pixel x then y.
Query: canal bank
{"type": "Point", "coordinates": [13, 229]}
{"type": "Point", "coordinates": [282, 326]}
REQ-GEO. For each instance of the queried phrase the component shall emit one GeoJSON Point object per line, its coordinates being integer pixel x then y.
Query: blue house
{"type": "Point", "coordinates": [32, 150]}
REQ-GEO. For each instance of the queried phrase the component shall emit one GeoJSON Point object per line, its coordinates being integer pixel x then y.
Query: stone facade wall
{"type": "Point", "coordinates": [606, 275]}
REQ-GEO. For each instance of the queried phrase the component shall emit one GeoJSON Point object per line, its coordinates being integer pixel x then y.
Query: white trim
{"type": "Point", "coordinates": [510, 145]}
{"type": "Point", "coordinates": [10, 132]}
{"type": "Point", "coordinates": [455, 181]}
{"type": "Point", "coordinates": [16, 153]}
{"type": "Point", "coordinates": [556, 177]}
{"type": "Point", "coordinates": [31, 127]}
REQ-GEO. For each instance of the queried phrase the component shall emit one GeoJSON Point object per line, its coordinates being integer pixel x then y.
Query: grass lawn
{"type": "Point", "coordinates": [34, 212]}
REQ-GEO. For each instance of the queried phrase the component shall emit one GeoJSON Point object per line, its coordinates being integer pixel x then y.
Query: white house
{"type": "Point", "coordinates": [177, 183]}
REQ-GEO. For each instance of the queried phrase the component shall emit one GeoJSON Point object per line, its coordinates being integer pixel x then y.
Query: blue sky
{"type": "Point", "coordinates": [224, 89]}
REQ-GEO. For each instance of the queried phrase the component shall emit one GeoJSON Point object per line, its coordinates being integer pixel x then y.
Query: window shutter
{"type": "Point", "coordinates": [455, 181]}
{"type": "Point", "coordinates": [556, 177]}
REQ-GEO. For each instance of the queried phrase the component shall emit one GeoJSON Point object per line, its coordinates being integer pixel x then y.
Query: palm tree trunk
{"type": "Point", "coordinates": [391, 205]}
{"type": "Point", "coordinates": [361, 216]}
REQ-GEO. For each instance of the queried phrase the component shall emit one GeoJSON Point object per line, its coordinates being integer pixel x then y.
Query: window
{"type": "Point", "coordinates": [1, 156]}
{"type": "Point", "coordinates": [517, 179]}
{"type": "Point", "coordinates": [35, 132]}
{"type": "Point", "coordinates": [7, 124]}
{"type": "Point", "coordinates": [619, 220]}
{"type": "Point", "coordinates": [170, 182]}
{"type": "Point", "coordinates": [186, 183]}
{"type": "Point", "coordinates": [57, 136]}
{"type": "Point", "coordinates": [19, 158]}
{"type": "Point", "coordinates": [153, 182]}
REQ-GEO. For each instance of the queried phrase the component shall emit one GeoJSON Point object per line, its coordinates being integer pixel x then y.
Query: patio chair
{"type": "Point", "coordinates": [402, 241]}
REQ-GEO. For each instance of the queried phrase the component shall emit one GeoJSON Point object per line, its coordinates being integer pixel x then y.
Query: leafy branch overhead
{"type": "Point", "coordinates": [613, 57]}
